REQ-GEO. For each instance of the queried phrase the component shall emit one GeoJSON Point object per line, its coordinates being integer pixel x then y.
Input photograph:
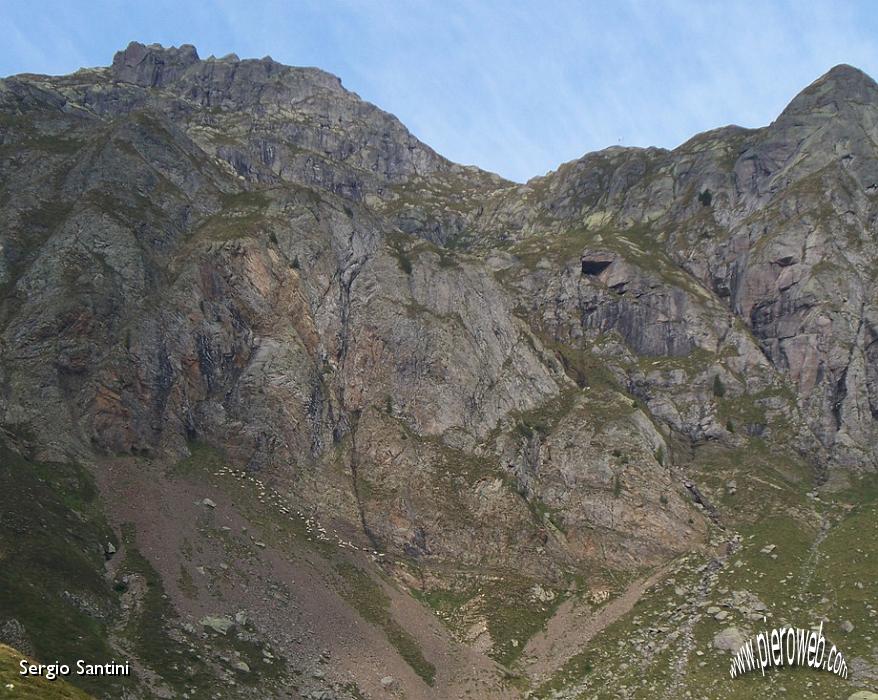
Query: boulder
{"type": "Point", "coordinates": [730, 639]}
{"type": "Point", "coordinates": [218, 624]}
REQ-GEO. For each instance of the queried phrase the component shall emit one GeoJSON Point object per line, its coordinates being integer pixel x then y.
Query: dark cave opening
{"type": "Point", "coordinates": [595, 267]}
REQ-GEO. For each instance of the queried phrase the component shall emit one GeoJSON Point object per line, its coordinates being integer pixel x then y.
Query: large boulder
{"type": "Point", "coordinates": [730, 639]}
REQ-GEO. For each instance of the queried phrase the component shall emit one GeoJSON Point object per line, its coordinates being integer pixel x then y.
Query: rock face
{"type": "Point", "coordinates": [247, 254]}
{"type": "Point", "coordinates": [776, 224]}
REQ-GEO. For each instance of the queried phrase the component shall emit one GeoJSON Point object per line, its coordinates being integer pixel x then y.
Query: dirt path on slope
{"type": "Point", "coordinates": [574, 625]}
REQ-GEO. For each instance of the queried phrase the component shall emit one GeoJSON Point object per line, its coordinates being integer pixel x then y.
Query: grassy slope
{"type": "Point", "coordinates": [51, 562]}
{"type": "Point", "coordinates": [31, 687]}
{"type": "Point", "coordinates": [812, 578]}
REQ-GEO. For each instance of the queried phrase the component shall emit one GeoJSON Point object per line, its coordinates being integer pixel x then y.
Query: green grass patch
{"type": "Point", "coordinates": [51, 564]}
{"type": "Point", "coordinates": [366, 596]}
{"type": "Point", "coordinates": [13, 685]}
{"type": "Point", "coordinates": [148, 628]}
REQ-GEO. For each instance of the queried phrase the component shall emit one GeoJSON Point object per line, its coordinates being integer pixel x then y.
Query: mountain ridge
{"type": "Point", "coordinates": [237, 283]}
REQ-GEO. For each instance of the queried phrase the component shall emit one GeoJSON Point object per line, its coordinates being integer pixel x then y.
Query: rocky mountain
{"type": "Point", "coordinates": [292, 406]}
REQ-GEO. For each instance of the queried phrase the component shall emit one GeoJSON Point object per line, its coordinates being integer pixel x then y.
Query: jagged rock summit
{"type": "Point", "coordinates": [153, 65]}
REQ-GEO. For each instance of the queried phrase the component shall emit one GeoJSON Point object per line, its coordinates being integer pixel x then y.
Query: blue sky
{"type": "Point", "coordinates": [513, 87]}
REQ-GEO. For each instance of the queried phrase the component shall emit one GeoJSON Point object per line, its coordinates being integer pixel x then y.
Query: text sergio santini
{"type": "Point", "coordinates": [52, 671]}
